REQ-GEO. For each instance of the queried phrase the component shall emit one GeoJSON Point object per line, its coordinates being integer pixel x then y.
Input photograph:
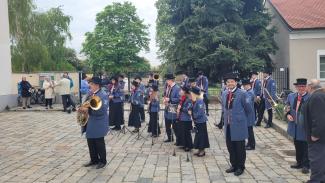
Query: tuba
{"type": "Point", "coordinates": [95, 103]}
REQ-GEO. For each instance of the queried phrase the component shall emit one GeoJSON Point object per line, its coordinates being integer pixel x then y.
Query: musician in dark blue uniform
{"type": "Point", "coordinates": [251, 116]}
{"type": "Point", "coordinates": [115, 96]}
{"type": "Point", "coordinates": [97, 126]}
{"type": "Point", "coordinates": [296, 128]}
{"type": "Point", "coordinates": [184, 117]}
{"type": "Point", "coordinates": [203, 83]}
{"type": "Point", "coordinates": [201, 139]}
{"type": "Point", "coordinates": [268, 94]}
{"type": "Point", "coordinates": [235, 106]}
{"type": "Point", "coordinates": [136, 97]}
{"type": "Point", "coordinates": [154, 107]}
{"type": "Point", "coordinates": [185, 81]}
{"type": "Point", "coordinates": [142, 88]}
{"type": "Point", "coordinates": [256, 86]}
{"type": "Point", "coordinates": [171, 101]}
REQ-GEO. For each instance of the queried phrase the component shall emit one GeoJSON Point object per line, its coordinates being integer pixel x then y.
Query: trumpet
{"type": "Point", "coordinates": [270, 99]}
{"type": "Point", "coordinates": [95, 103]}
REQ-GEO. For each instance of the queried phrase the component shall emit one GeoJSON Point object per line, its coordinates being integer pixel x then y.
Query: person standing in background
{"type": "Point", "coordinates": [314, 121]}
{"type": "Point", "coordinates": [25, 92]}
{"type": "Point", "coordinates": [48, 86]}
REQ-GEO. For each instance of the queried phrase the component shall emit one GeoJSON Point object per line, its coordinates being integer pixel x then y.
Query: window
{"type": "Point", "coordinates": [322, 66]}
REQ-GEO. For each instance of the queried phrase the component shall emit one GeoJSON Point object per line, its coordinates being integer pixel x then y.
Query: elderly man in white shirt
{"type": "Point", "coordinates": [65, 91]}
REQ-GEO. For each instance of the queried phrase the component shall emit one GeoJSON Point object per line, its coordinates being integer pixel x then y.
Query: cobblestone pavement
{"type": "Point", "coordinates": [47, 147]}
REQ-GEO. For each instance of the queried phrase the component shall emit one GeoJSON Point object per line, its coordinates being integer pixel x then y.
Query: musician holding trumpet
{"type": "Point", "coordinates": [268, 96]}
{"type": "Point", "coordinates": [97, 124]}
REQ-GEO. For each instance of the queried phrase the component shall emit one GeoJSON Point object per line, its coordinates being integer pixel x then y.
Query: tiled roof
{"type": "Point", "coordinates": [301, 14]}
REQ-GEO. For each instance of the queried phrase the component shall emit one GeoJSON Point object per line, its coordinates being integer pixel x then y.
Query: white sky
{"type": "Point", "coordinates": [84, 14]}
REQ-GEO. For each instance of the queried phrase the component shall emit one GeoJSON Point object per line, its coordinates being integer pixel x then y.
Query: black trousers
{"type": "Point", "coordinates": [237, 152]}
{"type": "Point", "coordinates": [116, 114]}
{"type": "Point", "coordinates": [251, 137]}
{"type": "Point", "coordinates": [206, 102]}
{"type": "Point", "coordinates": [187, 136]}
{"type": "Point", "coordinates": [142, 115]}
{"type": "Point", "coordinates": [48, 102]}
{"type": "Point", "coordinates": [316, 151]}
{"type": "Point", "coordinates": [301, 153]}
{"type": "Point", "coordinates": [134, 117]}
{"type": "Point", "coordinates": [261, 113]}
{"type": "Point", "coordinates": [256, 109]}
{"type": "Point", "coordinates": [67, 102]}
{"type": "Point", "coordinates": [168, 125]}
{"type": "Point", "coordinates": [153, 124]}
{"type": "Point", "coordinates": [97, 150]}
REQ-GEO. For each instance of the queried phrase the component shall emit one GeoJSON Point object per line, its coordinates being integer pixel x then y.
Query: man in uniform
{"type": "Point", "coordinates": [235, 106]}
{"type": "Point", "coordinates": [203, 83]}
{"type": "Point", "coordinates": [171, 101]}
{"type": "Point", "coordinates": [97, 126]}
{"type": "Point", "coordinates": [296, 130]}
{"type": "Point", "coordinates": [268, 96]}
{"type": "Point", "coordinates": [251, 116]}
{"type": "Point", "coordinates": [256, 86]}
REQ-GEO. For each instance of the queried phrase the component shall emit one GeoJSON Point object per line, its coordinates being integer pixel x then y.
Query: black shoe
{"type": "Point", "coordinates": [69, 111]}
{"type": "Point", "coordinates": [24, 107]}
{"type": "Point", "coordinates": [74, 109]}
{"type": "Point", "coordinates": [90, 164]}
{"type": "Point", "coordinates": [154, 136]}
{"type": "Point", "coordinates": [305, 170]}
{"type": "Point", "coordinates": [46, 108]}
{"type": "Point", "coordinates": [116, 128]}
{"type": "Point", "coordinates": [29, 107]}
{"type": "Point", "coordinates": [248, 148]}
{"type": "Point", "coordinates": [201, 154]}
{"type": "Point", "coordinates": [51, 107]}
{"type": "Point", "coordinates": [296, 166]}
{"type": "Point", "coordinates": [100, 165]}
{"type": "Point", "coordinates": [258, 124]}
{"type": "Point", "coordinates": [135, 130]}
{"type": "Point", "coordinates": [238, 172]}
{"type": "Point", "coordinates": [168, 140]}
{"type": "Point", "coordinates": [187, 149]}
{"type": "Point", "coordinates": [268, 126]}
{"type": "Point", "coordinates": [207, 114]}
{"type": "Point", "coordinates": [230, 170]}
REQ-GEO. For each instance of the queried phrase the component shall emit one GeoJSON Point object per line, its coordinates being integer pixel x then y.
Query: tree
{"type": "Point", "coordinates": [117, 39]}
{"type": "Point", "coordinates": [38, 38]}
{"type": "Point", "coordinates": [220, 36]}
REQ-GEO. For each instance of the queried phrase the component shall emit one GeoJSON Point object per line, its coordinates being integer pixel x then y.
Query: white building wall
{"type": "Point", "coordinates": [6, 97]}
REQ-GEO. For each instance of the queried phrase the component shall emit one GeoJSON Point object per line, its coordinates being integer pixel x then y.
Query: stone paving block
{"type": "Point", "coordinates": [50, 149]}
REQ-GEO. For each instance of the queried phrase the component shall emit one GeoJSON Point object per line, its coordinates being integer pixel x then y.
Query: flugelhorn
{"type": "Point", "coordinates": [95, 103]}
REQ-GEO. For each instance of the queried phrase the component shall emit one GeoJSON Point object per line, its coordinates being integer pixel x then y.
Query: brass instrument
{"type": "Point", "coordinates": [95, 103]}
{"type": "Point", "coordinates": [270, 99]}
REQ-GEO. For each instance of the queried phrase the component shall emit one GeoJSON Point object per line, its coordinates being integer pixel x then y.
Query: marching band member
{"type": "Point", "coordinates": [97, 126]}
{"type": "Point", "coordinates": [256, 85]}
{"type": "Point", "coordinates": [143, 91]}
{"type": "Point", "coordinates": [134, 117]}
{"type": "Point", "coordinates": [203, 84]}
{"type": "Point", "coordinates": [235, 107]}
{"type": "Point", "coordinates": [201, 140]}
{"type": "Point", "coordinates": [171, 100]}
{"type": "Point", "coordinates": [185, 81]}
{"type": "Point", "coordinates": [154, 108]}
{"type": "Point", "coordinates": [184, 119]}
{"type": "Point", "coordinates": [296, 128]}
{"type": "Point", "coordinates": [251, 116]}
{"type": "Point", "coordinates": [267, 95]}
{"type": "Point", "coordinates": [115, 104]}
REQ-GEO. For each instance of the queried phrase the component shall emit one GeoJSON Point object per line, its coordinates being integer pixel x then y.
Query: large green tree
{"type": "Point", "coordinates": [219, 36]}
{"type": "Point", "coordinates": [38, 38]}
{"type": "Point", "coordinates": [118, 38]}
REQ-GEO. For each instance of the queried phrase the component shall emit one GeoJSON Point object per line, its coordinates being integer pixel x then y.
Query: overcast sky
{"type": "Point", "coordinates": [84, 14]}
